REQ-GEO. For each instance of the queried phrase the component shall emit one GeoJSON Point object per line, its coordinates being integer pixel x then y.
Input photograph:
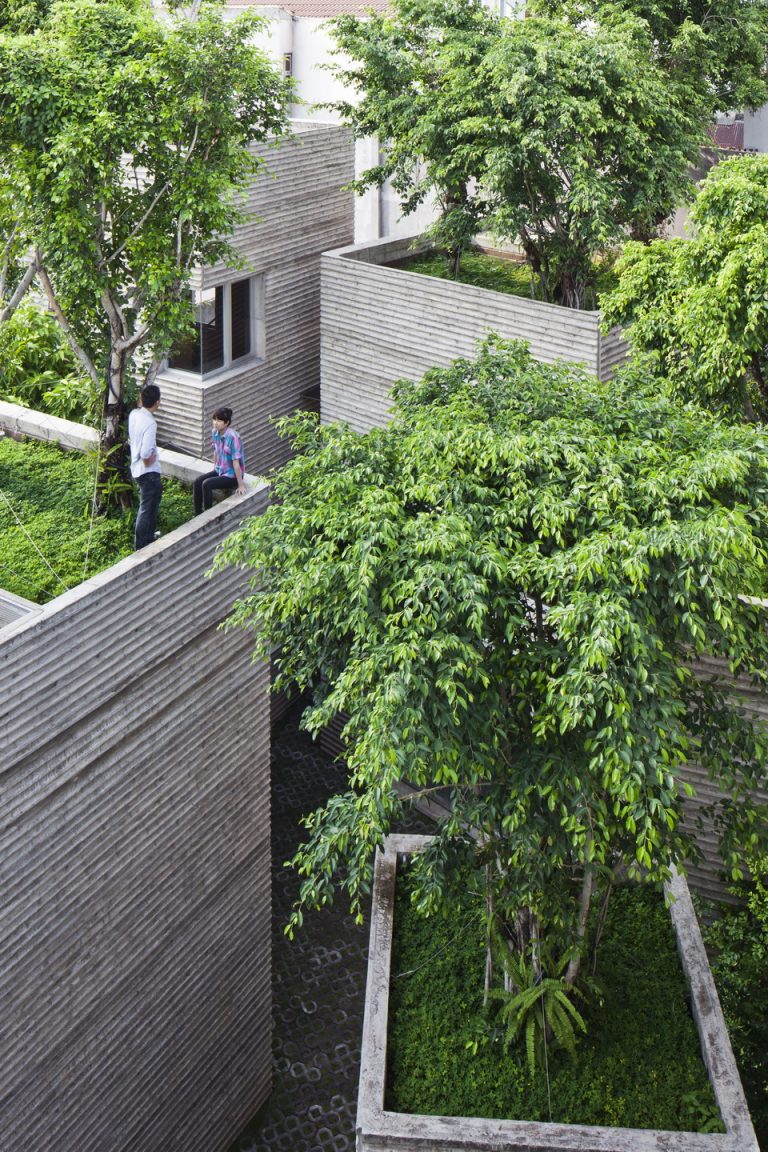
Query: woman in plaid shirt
{"type": "Point", "coordinates": [228, 458]}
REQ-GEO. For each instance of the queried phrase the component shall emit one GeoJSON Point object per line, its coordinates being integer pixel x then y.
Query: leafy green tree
{"type": "Point", "coordinates": [414, 73]}
{"type": "Point", "coordinates": [503, 593]}
{"type": "Point", "coordinates": [556, 134]}
{"type": "Point", "coordinates": [587, 138]}
{"type": "Point", "coordinates": [126, 139]}
{"type": "Point", "coordinates": [698, 306]}
{"type": "Point", "coordinates": [721, 47]}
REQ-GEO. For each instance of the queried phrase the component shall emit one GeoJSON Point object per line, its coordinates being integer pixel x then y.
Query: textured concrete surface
{"type": "Point", "coordinates": [318, 978]}
{"type": "Point", "coordinates": [135, 858]}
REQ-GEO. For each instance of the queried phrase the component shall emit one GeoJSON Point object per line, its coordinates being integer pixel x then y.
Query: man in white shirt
{"type": "Point", "coordinates": [145, 465]}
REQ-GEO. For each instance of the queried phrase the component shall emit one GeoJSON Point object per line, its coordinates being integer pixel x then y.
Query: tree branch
{"type": "Point", "coordinates": [20, 290]}
{"type": "Point", "coordinates": [63, 323]}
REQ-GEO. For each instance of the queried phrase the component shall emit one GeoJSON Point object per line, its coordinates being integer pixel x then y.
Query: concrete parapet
{"type": "Point", "coordinates": [381, 324]}
{"type": "Point", "coordinates": [135, 856]}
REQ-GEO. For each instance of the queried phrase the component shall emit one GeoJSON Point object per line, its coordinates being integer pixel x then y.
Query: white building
{"type": "Point", "coordinates": [299, 39]}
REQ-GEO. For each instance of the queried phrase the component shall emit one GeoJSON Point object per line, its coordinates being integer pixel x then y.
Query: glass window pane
{"type": "Point", "coordinates": [202, 350]}
{"type": "Point", "coordinates": [240, 307]}
{"type": "Point", "coordinates": [212, 332]}
{"type": "Point", "coordinates": [185, 353]}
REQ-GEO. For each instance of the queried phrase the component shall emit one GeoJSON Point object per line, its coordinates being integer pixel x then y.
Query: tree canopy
{"type": "Point", "coordinates": [587, 138]}
{"type": "Point", "coordinates": [503, 593]}
{"type": "Point", "coordinates": [698, 306]}
{"type": "Point", "coordinates": [124, 141]}
{"type": "Point", "coordinates": [553, 132]}
{"type": "Point", "coordinates": [721, 47]}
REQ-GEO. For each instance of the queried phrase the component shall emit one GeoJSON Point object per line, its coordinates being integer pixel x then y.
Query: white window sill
{"type": "Point", "coordinates": [221, 376]}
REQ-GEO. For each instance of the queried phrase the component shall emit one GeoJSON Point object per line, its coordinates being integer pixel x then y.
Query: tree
{"type": "Point", "coordinates": [557, 134]}
{"type": "Point", "coordinates": [414, 70]}
{"type": "Point", "coordinates": [698, 306]}
{"type": "Point", "coordinates": [721, 48]}
{"type": "Point", "coordinates": [504, 592]}
{"type": "Point", "coordinates": [125, 140]}
{"type": "Point", "coordinates": [586, 139]}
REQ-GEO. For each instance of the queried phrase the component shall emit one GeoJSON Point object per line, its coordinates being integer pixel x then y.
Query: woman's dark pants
{"type": "Point", "coordinates": [203, 488]}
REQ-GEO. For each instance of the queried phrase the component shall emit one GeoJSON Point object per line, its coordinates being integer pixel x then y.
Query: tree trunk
{"type": "Point", "coordinates": [587, 883]}
{"type": "Point", "coordinates": [115, 489]}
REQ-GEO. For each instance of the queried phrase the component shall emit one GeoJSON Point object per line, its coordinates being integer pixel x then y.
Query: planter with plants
{"type": "Point", "coordinates": [504, 593]}
{"type": "Point", "coordinates": [671, 1085]}
{"type": "Point", "coordinates": [558, 135]}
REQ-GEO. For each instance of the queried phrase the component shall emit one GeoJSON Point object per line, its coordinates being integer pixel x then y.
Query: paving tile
{"type": "Point", "coordinates": [318, 978]}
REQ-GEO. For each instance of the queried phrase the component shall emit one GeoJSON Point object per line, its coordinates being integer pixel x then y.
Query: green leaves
{"type": "Point", "coordinates": [124, 138]}
{"type": "Point", "coordinates": [540, 1008]}
{"type": "Point", "coordinates": [698, 307]}
{"type": "Point", "coordinates": [587, 137]}
{"type": "Point", "coordinates": [499, 595]}
{"type": "Point", "coordinates": [554, 132]}
{"type": "Point", "coordinates": [416, 72]}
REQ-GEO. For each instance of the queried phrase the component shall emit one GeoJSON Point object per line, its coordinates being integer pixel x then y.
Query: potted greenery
{"type": "Point", "coordinates": [502, 592]}
{"type": "Point", "coordinates": [557, 133]}
{"type": "Point", "coordinates": [378, 1121]}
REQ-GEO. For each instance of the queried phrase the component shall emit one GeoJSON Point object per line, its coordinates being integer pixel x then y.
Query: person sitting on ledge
{"type": "Point", "coordinates": [229, 462]}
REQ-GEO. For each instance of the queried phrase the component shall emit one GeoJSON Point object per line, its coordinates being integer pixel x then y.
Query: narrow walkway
{"type": "Point", "coordinates": [318, 979]}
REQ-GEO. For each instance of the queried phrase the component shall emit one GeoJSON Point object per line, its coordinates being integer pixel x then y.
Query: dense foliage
{"type": "Point", "coordinates": [558, 133]}
{"type": "Point", "coordinates": [638, 1066]}
{"type": "Point", "coordinates": [38, 369]}
{"type": "Point", "coordinates": [47, 541]}
{"type": "Point", "coordinates": [738, 946]}
{"type": "Point", "coordinates": [586, 137]}
{"type": "Point", "coordinates": [501, 592]}
{"type": "Point", "coordinates": [721, 47]}
{"type": "Point", "coordinates": [698, 306]}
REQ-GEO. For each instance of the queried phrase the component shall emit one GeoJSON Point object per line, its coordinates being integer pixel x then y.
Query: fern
{"type": "Point", "coordinates": [541, 1008]}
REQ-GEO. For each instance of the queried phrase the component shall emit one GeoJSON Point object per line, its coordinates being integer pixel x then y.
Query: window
{"type": "Point", "coordinates": [224, 328]}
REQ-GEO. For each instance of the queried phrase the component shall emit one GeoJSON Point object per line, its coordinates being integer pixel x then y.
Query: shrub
{"type": "Point", "coordinates": [38, 370]}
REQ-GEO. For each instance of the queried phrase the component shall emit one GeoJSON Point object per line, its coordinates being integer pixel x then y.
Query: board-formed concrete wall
{"type": "Point", "coordinates": [296, 209]}
{"type": "Point", "coordinates": [135, 859]}
{"type": "Point", "coordinates": [707, 876]}
{"type": "Point", "coordinates": [383, 324]}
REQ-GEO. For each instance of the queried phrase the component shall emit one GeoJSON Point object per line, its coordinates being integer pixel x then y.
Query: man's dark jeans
{"type": "Point", "coordinates": [151, 493]}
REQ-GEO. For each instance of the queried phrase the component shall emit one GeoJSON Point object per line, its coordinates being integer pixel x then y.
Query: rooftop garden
{"type": "Point", "coordinates": [51, 537]}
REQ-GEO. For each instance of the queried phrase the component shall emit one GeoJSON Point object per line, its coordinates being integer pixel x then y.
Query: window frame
{"type": "Point", "coordinates": [256, 317]}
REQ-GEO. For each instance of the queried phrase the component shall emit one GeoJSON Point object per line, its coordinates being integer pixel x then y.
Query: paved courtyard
{"type": "Point", "coordinates": [318, 979]}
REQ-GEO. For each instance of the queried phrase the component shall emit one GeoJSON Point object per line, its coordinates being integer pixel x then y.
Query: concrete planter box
{"type": "Point", "coordinates": [382, 324]}
{"type": "Point", "coordinates": [379, 1129]}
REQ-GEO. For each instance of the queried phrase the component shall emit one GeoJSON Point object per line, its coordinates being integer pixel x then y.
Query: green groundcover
{"type": "Point", "coordinates": [49, 540]}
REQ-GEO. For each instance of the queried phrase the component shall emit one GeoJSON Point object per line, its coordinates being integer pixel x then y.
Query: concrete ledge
{"type": "Point", "coordinates": [378, 1128]}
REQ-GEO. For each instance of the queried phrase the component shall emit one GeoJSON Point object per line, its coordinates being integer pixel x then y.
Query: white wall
{"type": "Point", "coordinates": [311, 45]}
{"type": "Point", "coordinates": [756, 129]}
